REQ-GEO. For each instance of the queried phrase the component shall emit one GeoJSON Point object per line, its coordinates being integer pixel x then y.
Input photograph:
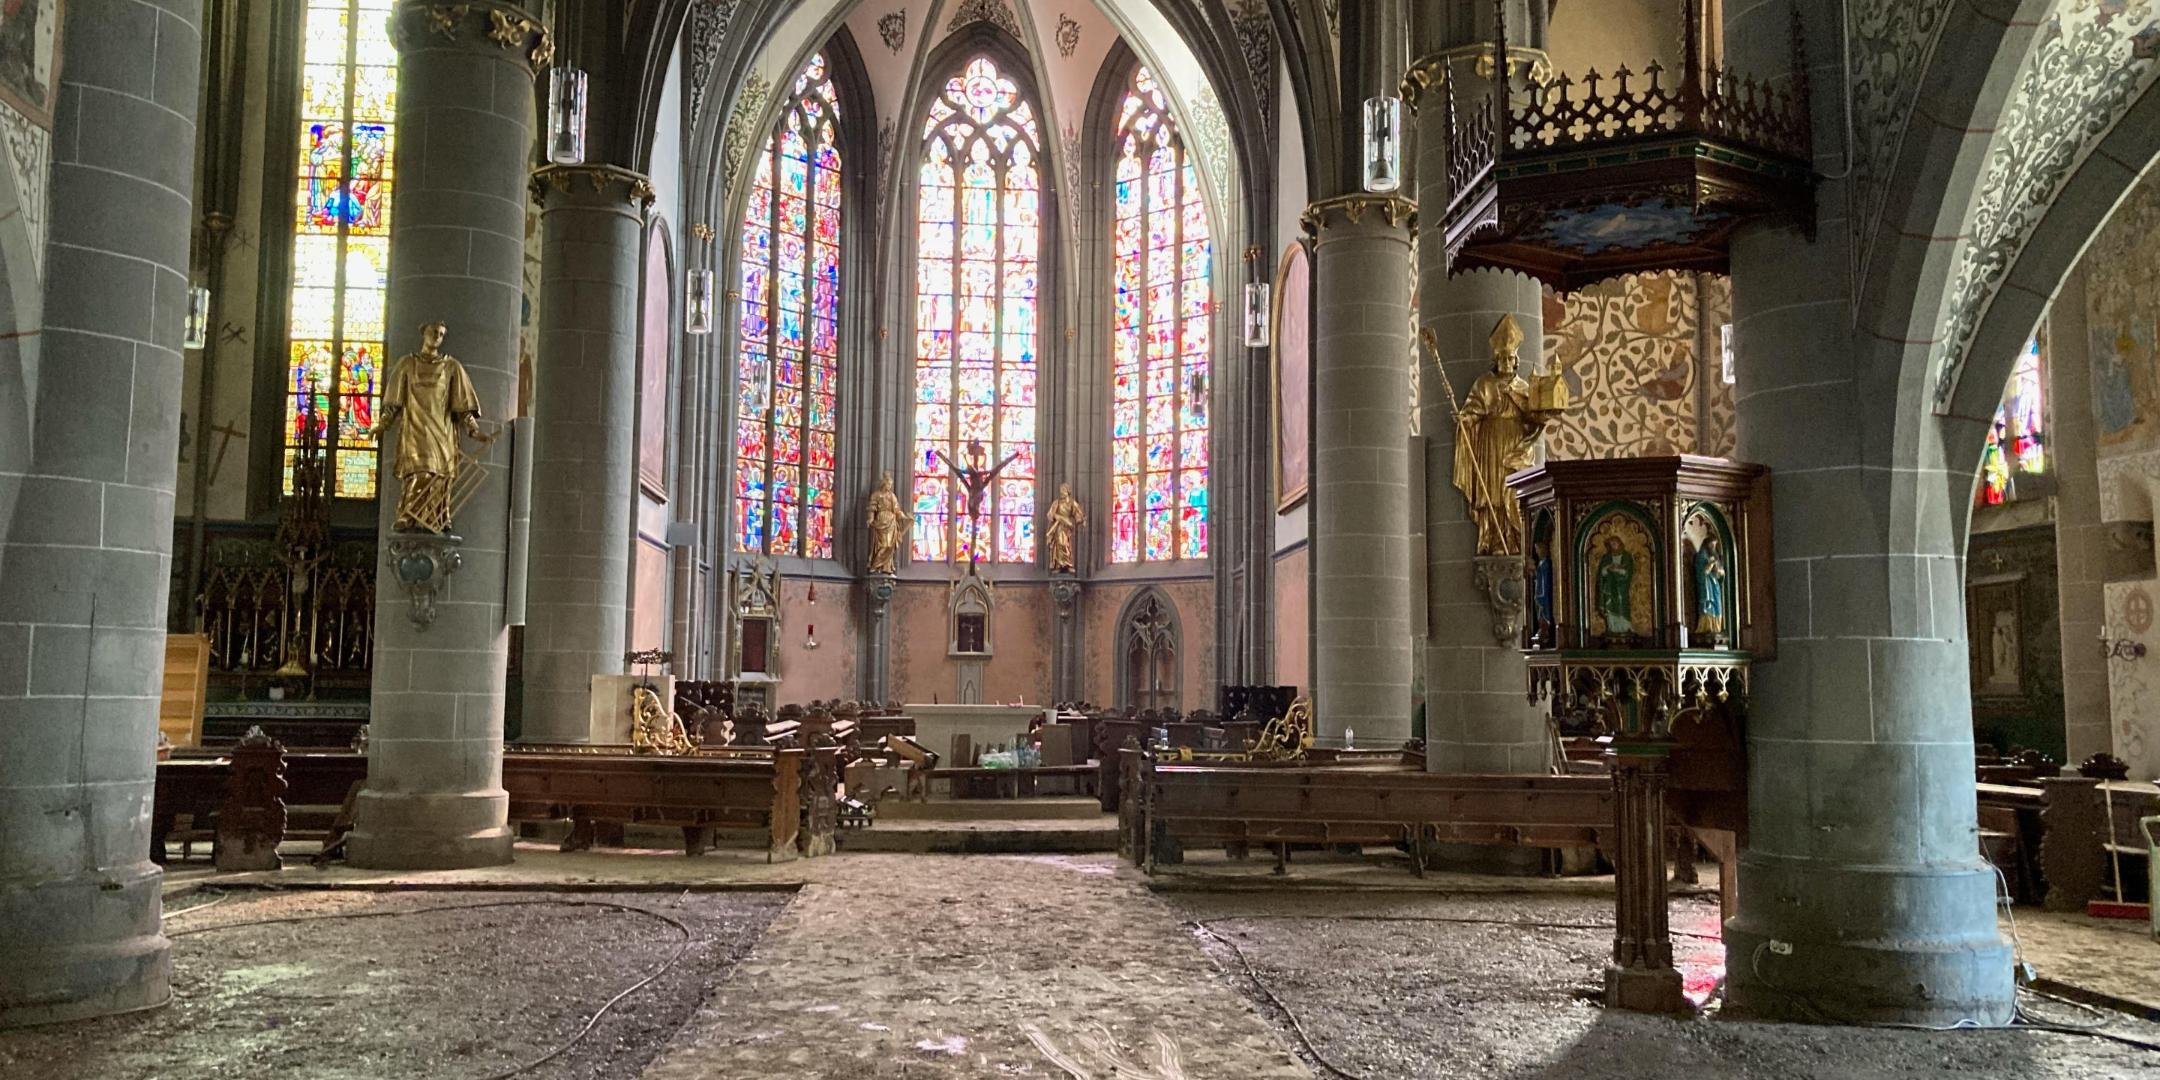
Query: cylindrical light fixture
{"type": "Point", "coordinates": [1256, 314]}
{"type": "Point", "coordinates": [566, 116]}
{"type": "Point", "coordinates": [698, 284]}
{"type": "Point", "coordinates": [197, 334]}
{"type": "Point", "coordinates": [1383, 144]}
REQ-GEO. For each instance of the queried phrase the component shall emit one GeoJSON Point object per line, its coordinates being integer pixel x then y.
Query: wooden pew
{"type": "Point", "coordinates": [746, 789]}
{"type": "Point", "coordinates": [1279, 805]}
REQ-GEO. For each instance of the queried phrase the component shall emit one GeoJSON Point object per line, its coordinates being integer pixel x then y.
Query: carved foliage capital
{"type": "Point", "coordinates": [597, 179]}
{"type": "Point", "coordinates": [478, 24]}
{"type": "Point", "coordinates": [1397, 211]}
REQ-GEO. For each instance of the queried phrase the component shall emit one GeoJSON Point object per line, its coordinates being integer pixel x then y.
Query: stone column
{"type": "Point", "coordinates": [1478, 717]}
{"type": "Point", "coordinates": [1361, 465]}
{"type": "Point", "coordinates": [584, 416]}
{"type": "Point", "coordinates": [1862, 893]}
{"type": "Point", "coordinates": [87, 556]}
{"type": "Point", "coordinates": [434, 796]}
{"type": "Point", "coordinates": [2080, 536]}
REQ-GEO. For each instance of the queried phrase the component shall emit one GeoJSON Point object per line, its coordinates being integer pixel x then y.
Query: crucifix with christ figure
{"type": "Point", "coordinates": [975, 477]}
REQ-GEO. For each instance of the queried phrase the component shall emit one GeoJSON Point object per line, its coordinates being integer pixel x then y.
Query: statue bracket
{"type": "Point", "coordinates": [881, 589]}
{"type": "Point", "coordinates": [1501, 577]}
{"type": "Point", "coordinates": [1065, 590]}
{"type": "Point", "coordinates": [423, 563]}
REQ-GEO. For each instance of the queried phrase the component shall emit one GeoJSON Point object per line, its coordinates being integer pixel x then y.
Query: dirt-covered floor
{"type": "Point", "coordinates": [1495, 985]}
{"type": "Point", "coordinates": [1064, 967]}
{"type": "Point", "coordinates": [454, 985]}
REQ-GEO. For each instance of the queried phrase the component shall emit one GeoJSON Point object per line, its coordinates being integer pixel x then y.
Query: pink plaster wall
{"type": "Point", "coordinates": [1293, 604]}
{"type": "Point", "coordinates": [1022, 631]}
{"type": "Point", "coordinates": [1099, 654]}
{"type": "Point", "coordinates": [834, 668]}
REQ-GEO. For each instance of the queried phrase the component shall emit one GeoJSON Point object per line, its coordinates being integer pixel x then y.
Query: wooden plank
{"type": "Point", "coordinates": [187, 683]}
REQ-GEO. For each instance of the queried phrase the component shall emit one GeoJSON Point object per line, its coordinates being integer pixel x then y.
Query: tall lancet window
{"type": "Point", "coordinates": [979, 237]}
{"type": "Point", "coordinates": [341, 238]}
{"type": "Point", "coordinates": [789, 368]}
{"type": "Point", "coordinates": [1160, 341]}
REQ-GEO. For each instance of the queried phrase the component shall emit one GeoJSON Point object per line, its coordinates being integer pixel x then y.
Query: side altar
{"type": "Point", "coordinates": [1648, 589]}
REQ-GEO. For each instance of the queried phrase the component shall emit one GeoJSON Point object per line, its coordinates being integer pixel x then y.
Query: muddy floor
{"type": "Point", "coordinates": [1472, 987]}
{"type": "Point", "coordinates": [956, 966]}
{"type": "Point", "coordinates": [443, 985]}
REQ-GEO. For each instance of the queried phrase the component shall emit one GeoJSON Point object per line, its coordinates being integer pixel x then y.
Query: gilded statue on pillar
{"type": "Point", "coordinates": [1497, 427]}
{"type": "Point", "coordinates": [1066, 517]}
{"type": "Point", "coordinates": [431, 394]}
{"type": "Point", "coordinates": [888, 526]}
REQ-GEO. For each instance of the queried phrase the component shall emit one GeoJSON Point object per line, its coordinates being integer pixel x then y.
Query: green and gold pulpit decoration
{"type": "Point", "coordinates": [1649, 595]}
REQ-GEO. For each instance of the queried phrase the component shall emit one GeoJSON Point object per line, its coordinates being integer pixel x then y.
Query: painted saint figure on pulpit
{"type": "Point", "coordinates": [1615, 582]}
{"type": "Point", "coordinates": [1710, 578]}
{"type": "Point", "coordinates": [431, 395]}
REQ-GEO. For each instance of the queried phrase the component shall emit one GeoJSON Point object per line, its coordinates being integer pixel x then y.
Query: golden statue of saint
{"type": "Point", "coordinates": [1496, 433]}
{"type": "Point", "coordinates": [1066, 517]}
{"type": "Point", "coordinates": [888, 526]}
{"type": "Point", "coordinates": [430, 392]}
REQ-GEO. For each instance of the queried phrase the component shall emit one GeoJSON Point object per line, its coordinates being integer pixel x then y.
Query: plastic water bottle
{"type": "Point", "coordinates": [1349, 738]}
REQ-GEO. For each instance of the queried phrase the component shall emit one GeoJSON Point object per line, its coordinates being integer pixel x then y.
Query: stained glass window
{"type": "Point", "coordinates": [979, 238]}
{"type": "Point", "coordinates": [789, 368]}
{"type": "Point", "coordinates": [341, 236]}
{"type": "Point", "coordinates": [1160, 339]}
{"type": "Point", "coordinates": [2017, 441]}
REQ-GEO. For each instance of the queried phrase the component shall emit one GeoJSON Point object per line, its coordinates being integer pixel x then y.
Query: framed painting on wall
{"type": "Point", "coordinates": [30, 57]}
{"type": "Point", "coordinates": [1293, 377]}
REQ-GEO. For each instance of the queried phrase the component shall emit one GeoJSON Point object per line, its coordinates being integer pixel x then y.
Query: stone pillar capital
{"type": "Point", "coordinates": [591, 185]}
{"type": "Point", "coordinates": [1395, 211]}
{"type": "Point", "coordinates": [480, 26]}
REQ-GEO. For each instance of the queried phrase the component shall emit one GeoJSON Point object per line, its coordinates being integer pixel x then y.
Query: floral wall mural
{"type": "Point", "coordinates": [1643, 357]}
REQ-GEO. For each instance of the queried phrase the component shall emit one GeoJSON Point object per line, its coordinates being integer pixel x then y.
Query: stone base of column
{"type": "Point", "coordinates": [400, 831]}
{"type": "Point", "coordinates": [81, 947]}
{"type": "Point", "coordinates": [1823, 943]}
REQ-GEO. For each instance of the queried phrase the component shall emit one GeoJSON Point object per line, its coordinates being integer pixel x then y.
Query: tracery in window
{"type": "Point", "coordinates": [2017, 441]}
{"type": "Point", "coordinates": [341, 238]}
{"type": "Point", "coordinates": [789, 367]}
{"type": "Point", "coordinates": [979, 236]}
{"type": "Point", "coordinates": [1160, 338]}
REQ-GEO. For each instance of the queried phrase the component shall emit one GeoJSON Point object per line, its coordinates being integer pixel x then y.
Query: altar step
{"type": "Point", "coordinates": [1040, 808]}
{"type": "Point", "coordinates": [1063, 835]}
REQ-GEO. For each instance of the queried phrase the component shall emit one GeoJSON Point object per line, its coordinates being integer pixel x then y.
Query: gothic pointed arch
{"type": "Point", "coordinates": [981, 194]}
{"type": "Point", "coordinates": [790, 256]}
{"type": "Point", "coordinates": [1162, 352]}
{"type": "Point", "coordinates": [1148, 652]}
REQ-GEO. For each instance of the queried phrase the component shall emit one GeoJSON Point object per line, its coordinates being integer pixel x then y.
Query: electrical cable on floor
{"type": "Point", "coordinates": [684, 947]}
{"type": "Point", "coordinates": [221, 898]}
{"type": "Point", "coordinates": [1296, 1026]}
{"type": "Point", "coordinates": [1526, 924]}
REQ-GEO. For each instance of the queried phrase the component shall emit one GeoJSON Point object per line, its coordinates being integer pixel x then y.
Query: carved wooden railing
{"type": "Point", "coordinates": [1598, 110]}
